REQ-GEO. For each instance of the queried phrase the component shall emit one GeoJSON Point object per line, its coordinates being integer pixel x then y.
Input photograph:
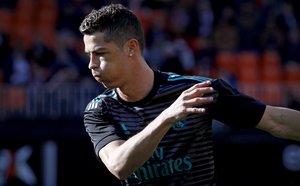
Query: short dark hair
{"type": "Point", "coordinates": [118, 24]}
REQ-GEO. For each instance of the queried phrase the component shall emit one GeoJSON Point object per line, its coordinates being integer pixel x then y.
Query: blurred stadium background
{"type": "Point", "coordinates": [45, 83]}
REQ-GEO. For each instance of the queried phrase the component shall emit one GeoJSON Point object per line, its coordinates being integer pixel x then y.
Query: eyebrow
{"type": "Point", "coordinates": [96, 49]}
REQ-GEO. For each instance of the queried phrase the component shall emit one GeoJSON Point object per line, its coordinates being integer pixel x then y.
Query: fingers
{"type": "Point", "coordinates": [197, 90]}
{"type": "Point", "coordinates": [194, 97]}
{"type": "Point", "coordinates": [198, 101]}
{"type": "Point", "coordinates": [194, 110]}
{"type": "Point", "coordinates": [190, 101]}
{"type": "Point", "coordinates": [198, 85]}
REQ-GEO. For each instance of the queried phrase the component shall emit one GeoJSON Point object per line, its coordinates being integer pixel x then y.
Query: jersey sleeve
{"type": "Point", "coordinates": [235, 108]}
{"type": "Point", "coordinates": [99, 126]}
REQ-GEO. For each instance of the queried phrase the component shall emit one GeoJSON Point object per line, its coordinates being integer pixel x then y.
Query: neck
{"type": "Point", "coordinates": [141, 83]}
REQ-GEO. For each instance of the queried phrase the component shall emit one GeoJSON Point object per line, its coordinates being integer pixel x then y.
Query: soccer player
{"type": "Point", "coordinates": [155, 128]}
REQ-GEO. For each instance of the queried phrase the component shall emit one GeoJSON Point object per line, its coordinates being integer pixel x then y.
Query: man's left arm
{"type": "Point", "coordinates": [281, 122]}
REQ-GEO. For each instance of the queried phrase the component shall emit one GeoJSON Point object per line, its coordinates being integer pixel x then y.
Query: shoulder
{"type": "Point", "coordinates": [102, 100]}
{"type": "Point", "coordinates": [170, 77]}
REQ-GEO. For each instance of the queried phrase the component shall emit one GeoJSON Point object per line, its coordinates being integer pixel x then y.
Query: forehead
{"type": "Point", "coordinates": [95, 42]}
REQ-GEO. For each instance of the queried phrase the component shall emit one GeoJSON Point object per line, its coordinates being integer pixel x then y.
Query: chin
{"type": "Point", "coordinates": [105, 85]}
{"type": "Point", "coordinates": [108, 85]}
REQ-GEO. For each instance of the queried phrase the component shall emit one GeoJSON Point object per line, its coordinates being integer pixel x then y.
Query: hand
{"type": "Point", "coordinates": [189, 102]}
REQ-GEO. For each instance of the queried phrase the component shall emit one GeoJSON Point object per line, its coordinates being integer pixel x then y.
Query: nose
{"type": "Point", "coordinates": [94, 62]}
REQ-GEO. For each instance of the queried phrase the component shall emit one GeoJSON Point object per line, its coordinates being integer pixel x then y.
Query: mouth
{"type": "Point", "coordinates": [96, 74]}
{"type": "Point", "coordinates": [97, 77]}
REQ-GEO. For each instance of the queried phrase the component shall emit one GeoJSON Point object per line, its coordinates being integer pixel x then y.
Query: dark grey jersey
{"type": "Point", "coordinates": [185, 155]}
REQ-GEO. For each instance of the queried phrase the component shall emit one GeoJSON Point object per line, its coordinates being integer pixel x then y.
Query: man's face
{"type": "Point", "coordinates": [107, 60]}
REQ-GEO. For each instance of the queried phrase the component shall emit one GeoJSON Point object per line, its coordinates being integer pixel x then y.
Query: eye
{"type": "Point", "coordinates": [100, 53]}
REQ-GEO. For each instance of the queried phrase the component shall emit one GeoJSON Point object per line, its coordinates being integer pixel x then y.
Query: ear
{"type": "Point", "coordinates": [132, 47]}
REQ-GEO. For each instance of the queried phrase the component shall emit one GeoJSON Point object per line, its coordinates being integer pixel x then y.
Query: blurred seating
{"type": "Point", "coordinates": [259, 75]}
{"type": "Point", "coordinates": [292, 79]}
{"type": "Point", "coordinates": [31, 20]}
{"type": "Point", "coordinates": [226, 61]}
{"type": "Point", "coordinates": [23, 23]}
{"type": "Point", "coordinates": [22, 34]}
{"type": "Point", "coordinates": [271, 76]}
{"type": "Point", "coordinates": [248, 68]}
{"type": "Point", "coordinates": [225, 66]}
{"type": "Point", "coordinates": [45, 24]}
{"type": "Point", "coordinates": [145, 17]}
{"type": "Point", "coordinates": [47, 34]}
{"type": "Point", "coordinates": [5, 20]}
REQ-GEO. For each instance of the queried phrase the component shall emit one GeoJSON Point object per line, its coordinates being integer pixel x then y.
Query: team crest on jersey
{"type": "Point", "coordinates": [178, 125]}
